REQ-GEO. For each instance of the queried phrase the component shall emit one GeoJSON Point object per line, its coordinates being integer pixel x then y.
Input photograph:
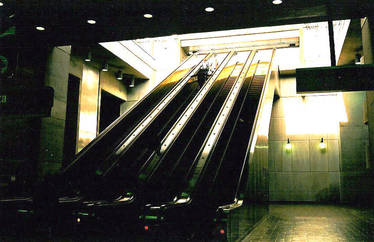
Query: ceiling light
{"type": "Point", "coordinates": [105, 67]}
{"type": "Point", "coordinates": [40, 28]}
{"type": "Point", "coordinates": [277, 2]}
{"type": "Point", "coordinates": [148, 15]}
{"type": "Point", "coordinates": [1, 4]}
{"type": "Point", "coordinates": [118, 75]}
{"type": "Point", "coordinates": [132, 82]}
{"type": "Point", "coordinates": [209, 9]}
{"type": "Point", "coordinates": [88, 57]}
{"type": "Point", "coordinates": [91, 21]}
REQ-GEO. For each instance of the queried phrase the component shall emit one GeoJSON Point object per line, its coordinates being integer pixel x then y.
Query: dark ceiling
{"type": "Point", "coordinates": [65, 20]}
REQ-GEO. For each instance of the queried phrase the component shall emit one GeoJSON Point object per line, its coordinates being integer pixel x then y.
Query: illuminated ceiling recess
{"type": "Point", "coordinates": [40, 28]}
{"type": "Point", "coordinates": [277, 2]}
{"type": "Point", "coordinates": [209, 9]}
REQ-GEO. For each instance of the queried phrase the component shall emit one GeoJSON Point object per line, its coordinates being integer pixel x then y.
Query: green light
{"type": "Point", "coordinates": [22, 211]}
{"type": "Point", "coordinates": [151, 217]}
{"type": "Point", "coordinates": [288, 145]}
{"type": "Point", "coordinates": [83, 214]}
{"type": "Point", "coordinates": [322, 145]}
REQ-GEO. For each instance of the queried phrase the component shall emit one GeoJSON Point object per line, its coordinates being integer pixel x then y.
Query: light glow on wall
{"type": "Point", "coordinates": [315, 114]}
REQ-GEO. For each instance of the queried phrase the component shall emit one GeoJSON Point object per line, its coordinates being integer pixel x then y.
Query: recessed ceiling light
{"type": "Point", "coordinates": [148, 15]}
{"type": "Point", "coordinates": [40, 28]}
{"type": "Point", "coordinates": [1, 4]}
{"type": "Point", "coordinates": [277, 2]}
{"type": "Point", "coordinates": [209, 9]}
{"type": "Point", "coordinates": [91, 21]}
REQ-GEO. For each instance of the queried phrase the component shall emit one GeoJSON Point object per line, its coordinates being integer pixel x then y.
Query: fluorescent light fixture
{"type": "Point", "coordinates": [209, 9]}
{"type": "Point", "coordinates": [40, 28]}
{"type": "Point", "coordinates": [91, 21]}
{"type": "Point", "coordinates": [148, 15]}
{"type": "Point", "coordinates": [277, 2]}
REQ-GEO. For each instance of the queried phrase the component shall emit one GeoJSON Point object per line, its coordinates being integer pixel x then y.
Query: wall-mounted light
{"type": "Point", "coordinates": [88, 57]}
{"type": "Point", "coordinates": [288, 145]}
{"type": "Point", "coordinates": [148, 15]}
{"type": "Point", "coordinates": [119, 75]}
{"type": "Point", "coordinates": [322, 145]}
{"type": "Point", "coordinates": [105, 67]}
{"type": "Point", "coordinates": [1, 4]}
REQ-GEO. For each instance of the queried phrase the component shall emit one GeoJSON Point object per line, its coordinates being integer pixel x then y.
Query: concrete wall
{"type": "Point", "coordinates": [304, 173]}
{"type": "Point", "coordinates": [356, 181]}
{"type": "Point", "coordinates": [52, 128]}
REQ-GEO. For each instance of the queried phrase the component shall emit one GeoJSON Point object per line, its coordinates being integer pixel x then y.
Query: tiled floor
{"type": "Point", "coordinates": [303, 222]}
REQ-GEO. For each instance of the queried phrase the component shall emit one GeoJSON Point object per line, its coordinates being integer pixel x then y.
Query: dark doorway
{"type": "Point", "coordinates": [71, 122]}
{"type": "Point", "coordinates": [110, 109]}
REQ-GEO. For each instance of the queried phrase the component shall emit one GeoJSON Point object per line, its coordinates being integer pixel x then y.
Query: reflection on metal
{"type": "Point", "coordinates": [227, 208]}
{"type": "Point", "coordinates": [88, 106]}
{"type": "Point", "coordinates": [128, 197]}
{"type": "Point", "coordinates": [158, 109]}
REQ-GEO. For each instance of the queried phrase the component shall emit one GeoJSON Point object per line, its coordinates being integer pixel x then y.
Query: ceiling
{"type": "Point", "coordinates": [65, 21]}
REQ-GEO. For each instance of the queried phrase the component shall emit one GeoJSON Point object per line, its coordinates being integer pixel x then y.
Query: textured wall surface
{"type": "Point", "coordinates": [304, 173]}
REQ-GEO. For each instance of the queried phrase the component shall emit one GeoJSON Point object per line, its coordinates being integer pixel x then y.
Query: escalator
{"type": "Point", "coordinates": [210, 187]}
{"type": "Point", "coordinates": [188, 151]}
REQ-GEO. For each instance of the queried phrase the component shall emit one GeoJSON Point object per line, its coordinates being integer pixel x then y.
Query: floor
{"type": "Point", "coordinates": [309, 222]}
